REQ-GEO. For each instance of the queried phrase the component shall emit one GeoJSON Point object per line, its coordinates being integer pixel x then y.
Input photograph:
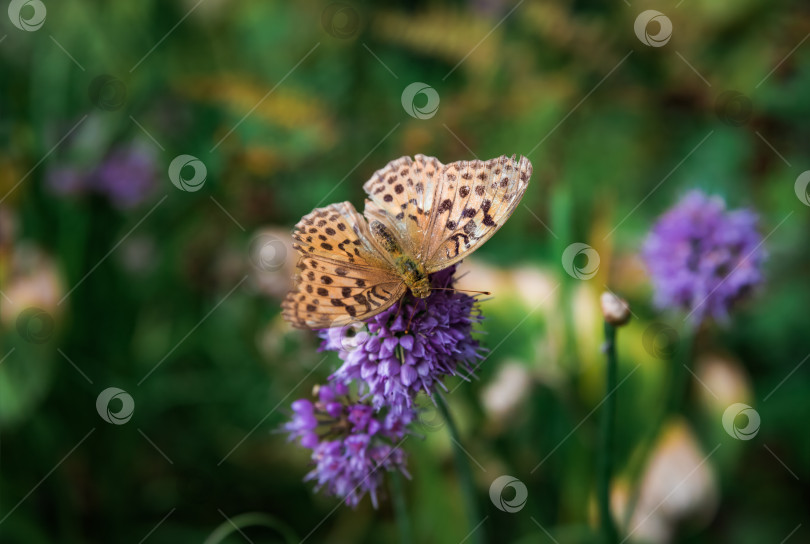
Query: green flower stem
{"type": "Point", "coordinates": [400, 508]}
{"type": "Point", "coordinates": [464, 474]}
{"type": "Point", "coordinates": [607, 526]}
{"type": "Point", "coordinates": [675, 389]}
{"type": "Point", "coordinates": [679, 377]}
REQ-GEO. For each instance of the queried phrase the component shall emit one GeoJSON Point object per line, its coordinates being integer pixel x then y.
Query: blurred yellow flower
{"type": "Point", "coordinates": [442, 33]}
{"type": "Point", "coordinates": [285, 108]}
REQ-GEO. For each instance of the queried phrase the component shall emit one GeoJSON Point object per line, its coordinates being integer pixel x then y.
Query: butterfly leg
{"type": "Point", "coordinates": [399, 309]}
{"type": "Point", "coordinates": [410, 319]}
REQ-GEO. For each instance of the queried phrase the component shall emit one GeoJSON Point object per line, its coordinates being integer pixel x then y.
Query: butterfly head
{"type": "Point", "coordinates": [421, 289]}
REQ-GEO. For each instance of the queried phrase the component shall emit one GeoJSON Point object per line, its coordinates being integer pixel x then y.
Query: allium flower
{"type": "Point", "coordinates": [126, 176]}
{"type": "Point", "coordinates": [391, 365]}
{"type": "Point", "coordinates": [702, 257]}
{"type": "Point", "coordinates": [352, 443]}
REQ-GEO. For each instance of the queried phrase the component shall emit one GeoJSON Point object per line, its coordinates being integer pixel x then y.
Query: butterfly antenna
{"type": "Point", "coordinates": [462, 290]}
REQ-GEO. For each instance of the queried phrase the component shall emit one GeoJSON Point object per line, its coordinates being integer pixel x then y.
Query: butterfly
{"type": "Point", "coordinates": [421, 216]}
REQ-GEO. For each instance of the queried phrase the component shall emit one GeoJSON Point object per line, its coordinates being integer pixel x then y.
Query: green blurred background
{"type": "Point", "coordinates": [113, 277]}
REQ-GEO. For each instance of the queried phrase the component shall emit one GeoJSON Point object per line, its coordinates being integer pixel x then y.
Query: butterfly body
{"type": "Point", "coordinates": [414, 276]}
{"type": "Point", "coordinates": [421, 216]}
{"type": "Point", "coordinates": [410, 270]}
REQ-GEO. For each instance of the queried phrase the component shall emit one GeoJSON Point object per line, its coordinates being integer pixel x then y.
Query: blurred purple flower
{"type": "Point", "coordinates": [702, 257]}
{"type": "Point", "coordinates": [392, 366]}
{"type": "Point", "coordinates": [352, 444]}
{"type": "Point", "coordinates": [67, 180]}
{"type": "Point", "coordinates": [126, 176]}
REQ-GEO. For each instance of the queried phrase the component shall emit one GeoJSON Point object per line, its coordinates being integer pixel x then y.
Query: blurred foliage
{"type": "Point", "coordinates": [294, 104]}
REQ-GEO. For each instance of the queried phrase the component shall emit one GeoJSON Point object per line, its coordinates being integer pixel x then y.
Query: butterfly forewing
{"type": "Point", "coordinates": [343, 275]}
{"type": "Point", "coordinates": [401, 197]}
{"type": "Point", "coordinates": [473, 200]}
{"type": "Point", "coordinates": [338, 232]}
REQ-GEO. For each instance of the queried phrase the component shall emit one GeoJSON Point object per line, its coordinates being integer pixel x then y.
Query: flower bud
{"type": "Point", "coordinates": [615, 309]}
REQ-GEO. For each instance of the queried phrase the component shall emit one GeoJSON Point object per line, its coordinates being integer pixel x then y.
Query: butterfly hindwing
{"type": "Point", "coordinates": [473, 199]}
{"type": "Point", "coordinates": [324, 297]}
{"type": "Point", "coordinates": [344, 275]}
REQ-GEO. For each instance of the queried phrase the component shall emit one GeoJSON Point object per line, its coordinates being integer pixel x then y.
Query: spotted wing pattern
{"type": "Point", "coordinates": [401, 197]}
{"type": "Point", "coordinates": [343, 274]}
{"type": "Point", "coordinates": [473, 199]}
{"type": "Point", "coordinates": [439, 215]}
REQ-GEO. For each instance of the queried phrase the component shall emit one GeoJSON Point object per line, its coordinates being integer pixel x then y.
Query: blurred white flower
{"type": "Point", "coordinates": [531, 285]}
{"type": "Point", "coordinates": [502, 396]}
{"type": "Point", "coordinates": [535, 287]}
{"type": "Point", "coordinates": [678, 484]}
{"type": "Point", "coordinates": [477, 275]}
{"type": "Point", "coordinates": [271, 261]}
{"type": "Point", "coordinates": [724, 381]}
{"type": "Point", "coordinates": [33, 281]}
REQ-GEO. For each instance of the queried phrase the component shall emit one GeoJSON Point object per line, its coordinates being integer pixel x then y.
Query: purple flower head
{"type": "Point", "coordinates": [352, 443]}
{"type": "Point", "coordinates": [702, 257]}
{"type": "Point", "coordinates": [391, 365]}
{"type": "Point", "coordinates": [127, 176]}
